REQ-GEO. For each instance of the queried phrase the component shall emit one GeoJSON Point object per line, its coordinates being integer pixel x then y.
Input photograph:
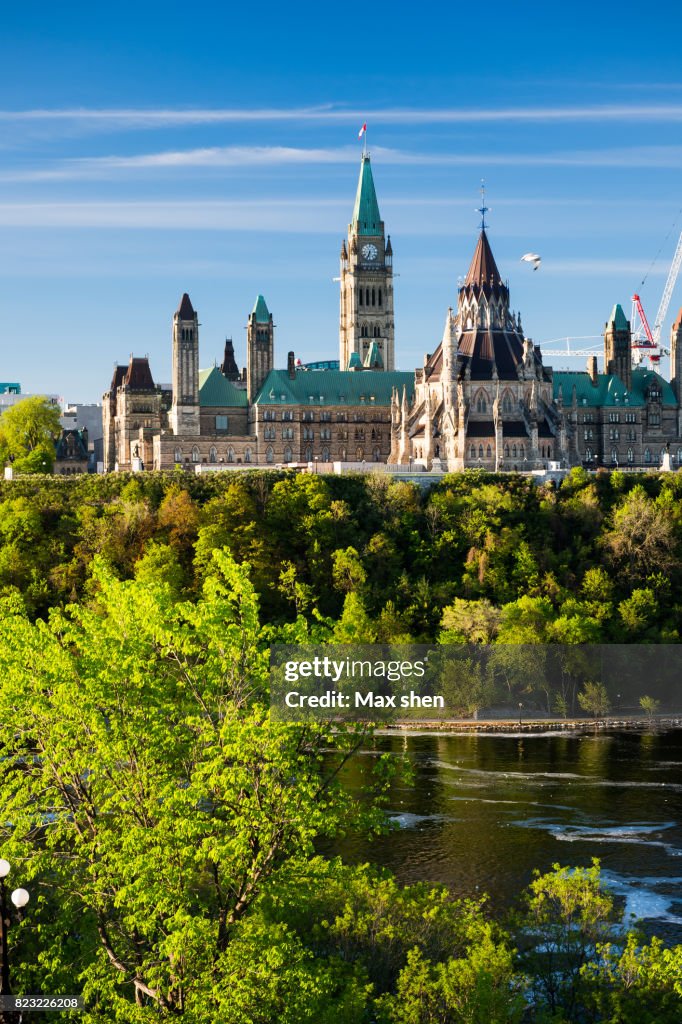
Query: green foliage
{"type": "Point", "coordinates": [594, 699]}
{"type": "Point", "coordinates": [28, 431]}
{"type": "Point", "coordinates": [649, 705]}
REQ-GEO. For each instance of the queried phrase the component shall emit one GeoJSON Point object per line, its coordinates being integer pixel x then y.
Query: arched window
{"type": "Point", "coordinates": [374, 297]}
{"type": "Point", "coordinates": [325, 455]}
{"type": "Point", "coordinates": [480, 451]}
{"type": "Point", "coordinates": [521, 451]}
{"type": "Point", "coordinates": [647, 455]}
{"type": "Point", "coordinates": [376, 454]}
{"type": "Point", "coordinates": [212, 455]}
{"type": "Point", "coordinates": [481, 402]}
{"type": "Point", "coordinates": [288, 454]}
{"type": "Point", "coordinates": [380, 296]}
{"type": "Point", "coordinates": [195, 454]}
{"type": "Point", "coordinates": [178, 455]}
{"type": "Point", "coordinates": [472, 452]}
{"type": "Point", "coordinates": [230, 454]}
{"type": "Point", "coordinates": [506, 451]}
{"type": "Point", "coordinates": [343, 455]}
{"type": "Point", "coordinates": [679, 455]}
{"type": "Point", "coordinates": [367, 296]}
{"type": "Point", "coordinates": [359, 454]}
{"type": "Point", "coordinates": [588, 455]}
{"type": "Point", "coordinates": [631, 455]}
{"type": "Point", "coordinates": [614, 456]}
{"type": "Point", "coordinates": [361, 295]}
{"type": "Point", "coordinates": [308, 455]}
{"type": "Point", "coordinates": [488, 452]}
{"type": "Point", "coordinates": [269, 454]}
{"type": "Point", "coordinates": [377, 332]}
{"type": "Point", "coordinates": [363, 332]}
{"type": "Point", "coordinates": [247, 455]}
{"type": "Point", "coordinates": [513, 451]}
{"type": "Point", "coordinates": [506, 402]}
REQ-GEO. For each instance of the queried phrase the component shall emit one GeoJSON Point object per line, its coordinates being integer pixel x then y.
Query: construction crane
{"type": "Point", "coordinates": [645, 342]}
{"type": "Point", "coordinates": [566, 349]}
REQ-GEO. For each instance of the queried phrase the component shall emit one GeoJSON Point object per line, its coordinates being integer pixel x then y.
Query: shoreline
{"type": "Point", "coordinates": [508, 726]}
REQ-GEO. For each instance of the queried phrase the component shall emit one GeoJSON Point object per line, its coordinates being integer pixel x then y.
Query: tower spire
{"type": "Point", "coordinates": [483, 209]}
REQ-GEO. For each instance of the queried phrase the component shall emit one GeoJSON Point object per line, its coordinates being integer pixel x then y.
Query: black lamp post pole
{"type": "Point", "coordinates": [5, 989]}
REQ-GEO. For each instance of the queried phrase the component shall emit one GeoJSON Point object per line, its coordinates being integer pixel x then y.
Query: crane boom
{"type": "Point", "coordinates": [668, 291]}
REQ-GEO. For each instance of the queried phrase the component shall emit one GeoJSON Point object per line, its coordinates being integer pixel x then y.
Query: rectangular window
{"type": "Point", "coordinates": [221, 424]}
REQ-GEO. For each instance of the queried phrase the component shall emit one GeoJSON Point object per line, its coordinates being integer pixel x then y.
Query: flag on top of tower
{"type": "Point", "coordinates": [363, 130]}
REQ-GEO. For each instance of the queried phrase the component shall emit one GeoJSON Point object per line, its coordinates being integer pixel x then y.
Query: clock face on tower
{"type": "Point", "coordinates": [370, 252]}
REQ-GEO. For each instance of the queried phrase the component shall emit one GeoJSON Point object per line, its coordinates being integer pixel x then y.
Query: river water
{"type": "Point", "coordinates": [481, 811]}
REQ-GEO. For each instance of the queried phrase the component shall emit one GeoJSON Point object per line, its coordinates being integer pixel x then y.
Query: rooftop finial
{"type": "Point", "coordinates": [483, 209]}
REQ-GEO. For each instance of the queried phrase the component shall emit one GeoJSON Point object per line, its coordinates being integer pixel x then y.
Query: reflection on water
{"type": "Point", "coordinates": [481, 811]}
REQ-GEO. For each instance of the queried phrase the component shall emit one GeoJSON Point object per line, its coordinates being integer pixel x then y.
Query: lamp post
{"type": "Point", "coordinates": [316, 460]}
{"type": "Point", "coordinates": [520, 710]}
{"type": "Point", "coordinates": [19, 898]}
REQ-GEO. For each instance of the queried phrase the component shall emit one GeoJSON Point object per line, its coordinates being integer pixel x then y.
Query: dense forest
{"type": "Point", "coordinates": [169, 831]}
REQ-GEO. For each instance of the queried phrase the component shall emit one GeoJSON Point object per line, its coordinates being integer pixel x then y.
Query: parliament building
{"type": "Point", "coordinates": [483, 397]}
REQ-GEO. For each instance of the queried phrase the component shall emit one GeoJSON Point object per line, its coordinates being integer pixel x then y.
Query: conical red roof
{"type": "Point", "coordinates": [483, 269]}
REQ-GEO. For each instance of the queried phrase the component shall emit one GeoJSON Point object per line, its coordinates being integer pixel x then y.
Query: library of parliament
{"type": "Point", "coordinates": [483, 397]}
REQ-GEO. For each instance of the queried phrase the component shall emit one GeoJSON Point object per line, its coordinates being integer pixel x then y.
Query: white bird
{"type": "Point", "coordinates": [532, 257]}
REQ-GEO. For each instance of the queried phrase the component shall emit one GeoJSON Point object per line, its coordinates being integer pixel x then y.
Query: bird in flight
{"type": "Point", "coordinates": [532, 257]}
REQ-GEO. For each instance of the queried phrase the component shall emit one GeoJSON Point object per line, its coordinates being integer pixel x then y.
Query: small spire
{"type": "Point", "coordinates": [261, 311]}
{"type": "Point", "coordinates": [483, 209]}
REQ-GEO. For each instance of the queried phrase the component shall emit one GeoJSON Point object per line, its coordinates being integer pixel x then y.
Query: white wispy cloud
{"type": "Point", "coordinates": [141, 117]}
{"type": "Point", "coordinates": [226, 157]}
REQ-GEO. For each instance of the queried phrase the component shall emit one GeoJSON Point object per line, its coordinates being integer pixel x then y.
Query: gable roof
{"type": "Point", "coordinates": [334, 387]}
{"type": "Point", "coordinates": [216, 390]}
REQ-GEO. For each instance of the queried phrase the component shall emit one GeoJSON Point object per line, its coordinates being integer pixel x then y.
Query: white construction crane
{"type": "Point", "coordinates": [668, 291]}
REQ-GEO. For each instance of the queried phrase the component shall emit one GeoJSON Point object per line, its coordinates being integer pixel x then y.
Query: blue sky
{"type": "Point", "coordinates": [151, 149]}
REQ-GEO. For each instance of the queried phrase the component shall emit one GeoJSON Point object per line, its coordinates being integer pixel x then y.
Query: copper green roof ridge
{"type": "Point", "coordinates": [366, 216]}
{"type": "Point", "coordinates": [334, 387]}
{"type": "Point", "coordinates": [260, 308]}
{"type": "Point", "coordinates": [618, 318]}
{"type": "Point", "coordinates": [610, 390]}
{"type": "Point", "coordinates": [216, 391]}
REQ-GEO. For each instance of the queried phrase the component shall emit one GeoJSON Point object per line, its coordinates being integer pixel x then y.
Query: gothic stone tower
{"type": "Point", "coordinates": [617, 351]}
{"type": "Point", "coordinates": [367, 281]}
{"type": "Point", "coordinates": [184, 417]}
{"type": "Point", "coordinates": [260, 347]}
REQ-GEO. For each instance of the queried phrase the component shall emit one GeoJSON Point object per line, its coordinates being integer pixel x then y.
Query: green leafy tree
{"type": "Point", "coordinates": [28, 431]}
{"type": "Point", "coordinates": [148, 797]}
{"type": "Point", "coordinates": [594, 699]}
{"type": "Point", "coordinates": [649, 705]}
{"type": "Point", "coordinates": [567, 914]}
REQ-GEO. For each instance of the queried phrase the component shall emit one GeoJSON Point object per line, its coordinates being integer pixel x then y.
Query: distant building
{"type": "Point", "coordinates": [483, 398]}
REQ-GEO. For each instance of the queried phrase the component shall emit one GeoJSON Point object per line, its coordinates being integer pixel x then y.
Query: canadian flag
{"type": "Point", "coordinates": [363, 130]}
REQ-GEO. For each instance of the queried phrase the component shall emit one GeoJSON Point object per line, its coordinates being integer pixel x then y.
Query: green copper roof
{"type": "Point", "coordinates": [334, 387]}
{"type": "Point", "coordinates": [618, 319]}
{"type": "Point", "coordinates": [216, 390]}
{"type": "Point", "coordinates": [261, 311]}
{"type": "Point", "coordinates": [354, 361]}
{"type": "Point", "coordinates": [609, 390]}
{"type": "Point", "coordinates": [366, 216]}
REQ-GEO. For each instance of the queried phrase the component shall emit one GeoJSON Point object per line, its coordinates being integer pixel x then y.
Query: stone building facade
{"type": "Point", "coordinates": [483, 398]}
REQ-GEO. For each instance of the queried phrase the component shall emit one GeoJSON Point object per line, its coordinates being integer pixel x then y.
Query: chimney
{"type": "Point", "coordinates": [291, 366]}
{"type": "Point", "coordinates": [592, 370]}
